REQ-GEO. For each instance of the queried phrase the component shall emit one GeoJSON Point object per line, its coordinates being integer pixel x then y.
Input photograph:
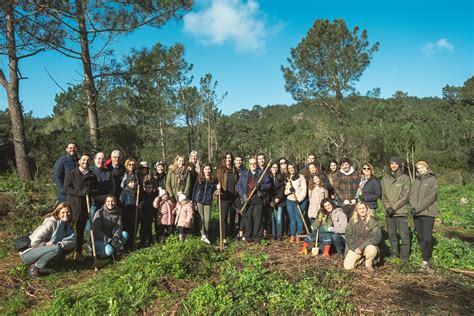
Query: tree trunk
{"type": "Point", "coordinates": [91, 91]}
{"type": "Point", "coordinates": [209, 140]}
{"type": "Point", "coordinates": [162, 138]}
{"type": "Point", "coordinates": [12, 89]}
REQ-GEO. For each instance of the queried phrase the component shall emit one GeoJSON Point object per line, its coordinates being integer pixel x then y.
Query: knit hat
{"type": "Point", "coordinates": [162, 193]}
{"type": "Point", "coordinates": [131, 178]}
{"type": "Point", "coordinates": [143, 164]}
{"type": "Point", "coordinates": [396, 160]}
{"type": "Point", "coordinates": [181, 197]}
{"type": "Point", "coordinates": [423, 163]}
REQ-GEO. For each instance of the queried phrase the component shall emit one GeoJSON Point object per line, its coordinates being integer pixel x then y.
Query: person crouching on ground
{"type": "Point", "coordinates": [108, 229]}
{"type": "Point", "coordinates": [332, 224]}
{"type": "Point", "coordinates": [184, 215]}
{"type": "Point", "coordinates": [52, 238]}
{"type": "Point", "coordinates": [362, 237]}
{"type": "Point", "coordinates": [164, 215]}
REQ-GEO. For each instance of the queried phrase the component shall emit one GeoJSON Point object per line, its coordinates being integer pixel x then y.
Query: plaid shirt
{"type": "Point", "coordinates": [346, 186]}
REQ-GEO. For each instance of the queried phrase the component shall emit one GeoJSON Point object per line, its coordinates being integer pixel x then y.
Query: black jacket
{"type": "Point", "coordinates": [77, 186]}
{"type": "Point", "coordinates": [371, 192]}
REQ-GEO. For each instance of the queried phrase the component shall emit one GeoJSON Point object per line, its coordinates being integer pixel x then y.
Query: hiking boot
{"type": "Point", "coordinates": [292, 239]}
{"type": "Point", "coordinates": [426, 267]}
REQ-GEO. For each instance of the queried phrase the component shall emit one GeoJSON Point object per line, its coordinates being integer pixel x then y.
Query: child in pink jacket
{"type": "Point", "coordinates": [164, 215]}
{"type": "Point", "coordinates": [184, 215]}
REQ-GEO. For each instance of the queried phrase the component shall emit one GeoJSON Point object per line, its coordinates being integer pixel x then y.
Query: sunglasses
{"type": "Point", "coordinates": [366, 168]}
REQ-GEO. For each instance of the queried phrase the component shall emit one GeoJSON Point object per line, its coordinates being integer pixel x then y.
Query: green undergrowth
{"type": "Point", "coordinates": [246, 286]}
{"type": "Point", "coordinates": [456, 204]}
{"type": "Point", "coordinates": [134, 282]}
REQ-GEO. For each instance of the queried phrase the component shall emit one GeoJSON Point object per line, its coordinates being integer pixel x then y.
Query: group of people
{"type": "Point", "coordinates": [331, 211]}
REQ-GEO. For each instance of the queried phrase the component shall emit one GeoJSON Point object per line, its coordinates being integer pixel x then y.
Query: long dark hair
{"type": "Point", "coordinates": [328, 170]}
{"type": "Point", "coordinates": [297, 171]}
{"type": "Point", "coordinates": [223, 159]}
{"type": "Point", "coordinates": [202, 177]}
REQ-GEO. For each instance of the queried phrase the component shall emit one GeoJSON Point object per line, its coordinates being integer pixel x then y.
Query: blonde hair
{"type": "Point", "coordinates": [355, 214]}
{"type": "Point", "coordinates": [372, 171]}
{"type": "Point", "coordinates": [127, 162]}
{"type": "Point", "coordinates": [58, 209]}
{"type": "Point", "coordinates": [175, 167]}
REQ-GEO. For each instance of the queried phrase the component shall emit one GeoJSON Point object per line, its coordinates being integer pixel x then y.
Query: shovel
{"type": "Point", "coordinates": [315, 250]}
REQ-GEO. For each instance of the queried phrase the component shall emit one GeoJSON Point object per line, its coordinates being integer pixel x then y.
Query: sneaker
{"type": "Point", "coordinates": [242, 238]}
{"type": "Point", "coordinates": [426, 267]}
{"type": "Point", "coordinates": [34, 272]}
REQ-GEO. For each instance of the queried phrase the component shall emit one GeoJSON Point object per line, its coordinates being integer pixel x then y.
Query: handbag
{"type": "Point", "coordinates": [22, 243]}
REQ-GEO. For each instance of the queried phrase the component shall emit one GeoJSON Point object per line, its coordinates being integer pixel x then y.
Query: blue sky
{"type": "Point", "coordinates": [424, 45]}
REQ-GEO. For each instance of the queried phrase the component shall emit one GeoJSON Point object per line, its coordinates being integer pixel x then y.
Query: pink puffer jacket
{"type": "Point", "coordinates": [184, 214]}
{"type": "Point", "coordinates": [165, 213]}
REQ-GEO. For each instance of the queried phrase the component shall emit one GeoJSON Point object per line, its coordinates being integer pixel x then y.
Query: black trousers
{"type": "Point", "coordinates": [146, 231]}
{"type": "Point", "coordinates": [424, 230]}
{"type": "Point", "coordinates": [398, 226]}
{"type": "Point", "coordinates": [254, 223]}
{"type": "Point", "coordinates": [267, 218]}
{"type": "Point", "coordinates": [80, 228]}
{"type": "Point", "coordinates": [227, 218]}
{"type": "Point", "coordinates": [238, 206]}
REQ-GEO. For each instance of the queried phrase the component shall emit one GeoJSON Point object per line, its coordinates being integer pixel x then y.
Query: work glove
{"type": "Point", "coordinates": [390, 212]}
{"type": "Point", "coordinates": [115, 242]}
{"type": "Point", "coordinates": [292, 190]}
{"type": "Point", "coordinates": [413, 211]}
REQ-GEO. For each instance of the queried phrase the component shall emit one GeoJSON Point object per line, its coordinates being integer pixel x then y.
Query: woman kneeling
{"type": "Point", "coordinates": [53, 237]}
{"type": "Point", "coordinates": [362, 236]}
{"type": "Point", "coordinates": [108, 230]}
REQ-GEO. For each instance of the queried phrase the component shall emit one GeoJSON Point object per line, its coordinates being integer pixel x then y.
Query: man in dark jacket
{"type": "Point", "coordinates": [239, 165]}
{"type": "Point", "coordinates": [116, 168]}
{"type": "Point", "coordinates": [253, 215]}
{"type": "Point", "coordinates": [105, 180]}
{"type": "Point", "coordinates": [63, 165]}
{"type": "Point", "coordinates": [267, 209]}
{"type": "Point", "coordinates": [78, 184]}
{"type": "Point", "coordinates": [395, 196]}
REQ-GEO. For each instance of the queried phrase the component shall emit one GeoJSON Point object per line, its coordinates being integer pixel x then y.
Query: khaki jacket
{"type": "Point", "coordinates": [423, 195]}
{"type": "Point", "coordinates": [396, 192]}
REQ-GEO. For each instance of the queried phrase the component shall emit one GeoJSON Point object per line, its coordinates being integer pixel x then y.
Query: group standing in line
{"type": "Point", "coordinates": [331, 211]}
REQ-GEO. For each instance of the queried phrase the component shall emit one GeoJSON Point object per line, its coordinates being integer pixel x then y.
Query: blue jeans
{"type": "Point", "coordinates": [296, 222]}
{"type": "Point", "coordinates": [104, 249]}
{"type": "Point", "coordinates": [40, 256]}
{"type": "Point", "coordinates": [277, 221]}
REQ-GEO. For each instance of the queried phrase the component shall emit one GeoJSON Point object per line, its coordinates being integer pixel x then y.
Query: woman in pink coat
{"type": "Point", "coordinates": [184, 215]}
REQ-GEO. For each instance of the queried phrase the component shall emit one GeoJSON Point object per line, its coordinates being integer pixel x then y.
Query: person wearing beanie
{"type": "Point", "coordinates": [395, 195]}
{"type": "Point", "coordinates": [128, 204]}
{"type": "Point", "coordinates": [423, 196]}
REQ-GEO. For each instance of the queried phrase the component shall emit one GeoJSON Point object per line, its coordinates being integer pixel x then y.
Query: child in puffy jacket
{"type": "Point", "coordinates": [164, 218]}
{"type": "Point", "coordinates": [184, 215]}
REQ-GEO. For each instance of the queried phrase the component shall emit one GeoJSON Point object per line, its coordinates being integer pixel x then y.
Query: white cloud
{"type": "Point", "coordinates": [442, 44]}
{"type": "Point", "coordinates": [224, 21]}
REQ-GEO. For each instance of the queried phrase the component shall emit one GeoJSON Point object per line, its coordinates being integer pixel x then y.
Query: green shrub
{"type": "Point", "coordinates": [134, 281]}
{"type": "Point", "coordinates": [253, 289]}
{"type": "Point", "coordinates": [456, 204]}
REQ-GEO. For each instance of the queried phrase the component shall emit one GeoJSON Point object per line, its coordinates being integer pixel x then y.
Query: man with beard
{"type": "Point", "coordinates": [346, 183]}
{"type": "Point", "coordinates": [62, 166]}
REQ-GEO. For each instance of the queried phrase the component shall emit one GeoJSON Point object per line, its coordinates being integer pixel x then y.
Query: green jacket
{"type": "Point", "coordinates": [173, 186]}
{"type": "Point", "coordinates": [396, 192]}
{"type": "Point", "coordinates": [423, 194]}
{"type": "Point", "coordinates": [373, 237]}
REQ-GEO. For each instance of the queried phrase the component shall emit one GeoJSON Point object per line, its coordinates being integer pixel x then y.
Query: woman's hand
{"type": "Point", "coordinates": [358, 251]}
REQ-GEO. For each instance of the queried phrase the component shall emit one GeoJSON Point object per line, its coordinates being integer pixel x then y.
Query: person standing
{"type": "Point", "coordinates": [277, 200]}
{"type": "Point", "coordinates": [239, 164]}
{"type": "Point", "coordinates": [369, 190]}
{"type": "Point", "coordinates": [178, 179]}
{"type": "Point", "coordinates": [116, 168]}
{"type": "Point", "coordinates": [330, 173]}
{"type": "Point", "coordinates": [395, 196]}
{"type": "Point", "coordinates": [227, 178]}
{"type": "Point", "coordinates": [159, 178]}
{"type": "Point", "coordinates": [105, 180]}
{"type": "Point", "coordinates": [78, 184]}
{"type": "Point", "coordinates": [295, 191]}
{"type": "Point", "coordinates": [346, 183]}
{"type": "Point", "coordinates": [267, 209]}
{"type": "Point", "coordinates": [254, 213]}
{"type": "Point", "coordinates": [423, 196]}
{"type": "Point", "coordinates": [63, 165]}
{"type": "Point", "coordinates": [203, 192]}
